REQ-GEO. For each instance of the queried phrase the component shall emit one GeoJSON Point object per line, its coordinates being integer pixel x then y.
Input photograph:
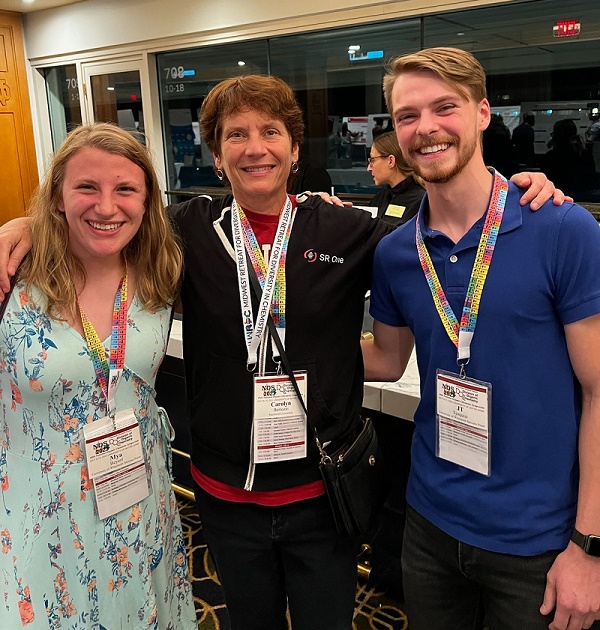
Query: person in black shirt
{"type": "Point", "coordinates": [401, 196]}
{"type": "Point", "coordinates": [523, 139]}
{"type": "Point", "coordinates": [498, 149]}
{"type": "Point", "coordinates": [310, 176]}
{"type": "Point", "coordinates": [569, 164]}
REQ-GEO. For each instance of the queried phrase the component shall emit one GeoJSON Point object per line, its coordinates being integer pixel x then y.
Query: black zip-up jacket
{"type": "Point", "coordinates": [407, 193]}
{"type": "Point", "coordinates": [328, 271]}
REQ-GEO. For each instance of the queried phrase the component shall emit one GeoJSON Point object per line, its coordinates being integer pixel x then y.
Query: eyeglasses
{"type": "Point", "coordinates": [370, 160]}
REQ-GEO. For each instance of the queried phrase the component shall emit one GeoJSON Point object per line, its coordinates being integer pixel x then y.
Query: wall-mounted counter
{"type": "Point", "coordinates": [399, 399]}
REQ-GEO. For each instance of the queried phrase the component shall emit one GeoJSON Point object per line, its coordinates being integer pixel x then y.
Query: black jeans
{"type": "Point", "coordinates": [449, 585]}
{"type": "Point", "coordinates": [269, 558]}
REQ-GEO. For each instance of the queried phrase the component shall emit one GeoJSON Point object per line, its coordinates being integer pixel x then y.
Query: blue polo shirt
{"type": "Point", "coordinates": [545, 273]}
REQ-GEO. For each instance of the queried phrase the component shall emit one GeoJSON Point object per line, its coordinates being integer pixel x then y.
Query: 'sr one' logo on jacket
{"type": "Point", "coordinates": [313, 256]}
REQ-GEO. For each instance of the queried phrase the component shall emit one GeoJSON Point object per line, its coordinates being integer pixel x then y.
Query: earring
{"type": "Point", "coordinates": [220, 174]}
{"type": "Point", "coordinates": [295, 167]}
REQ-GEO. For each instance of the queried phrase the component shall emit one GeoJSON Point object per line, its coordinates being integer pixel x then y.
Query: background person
{"type": "Point", "coordinates": [569, 162]}
{"type": "Point", "coordinates": [103, 253]}
{"type": "Point", "coordinates": [377, 128]}
{"type": "Point", "coordinates": [499, 486]}
{"type": "Point", "coordinates": [400, 198]}
{"type": "Point", "coordinates": [268, 525]}
{"type": "Point", "coordinates": [592, 133]}
{"type": "Point", "coordinates": [498, 150]}
{"type": "Point", "coordinates": [310, 176]}
{"type": "Point", "coordinates": [334, 142]}
{"type": "Point", "coordinates": [347, 138]}
{"type": "Point", "coordinates": [592, 137]}
{"type": "Point", "coordinates": [523, 139]}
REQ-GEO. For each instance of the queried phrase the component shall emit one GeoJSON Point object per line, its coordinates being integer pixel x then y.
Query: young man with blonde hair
{"type": "Point", "coordinates": [503, 522]}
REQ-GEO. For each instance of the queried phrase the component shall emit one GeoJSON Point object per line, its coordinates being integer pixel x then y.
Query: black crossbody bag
{"type": "Point", "coordinates": [355, 477]}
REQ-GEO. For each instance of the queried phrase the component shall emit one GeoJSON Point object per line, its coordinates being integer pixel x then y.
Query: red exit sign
{"type": "Point", "coordinates": [567, 28]}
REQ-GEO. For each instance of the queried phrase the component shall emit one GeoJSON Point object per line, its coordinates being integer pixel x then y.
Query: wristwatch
{"type": "Point", "coordinates": [590, 543]}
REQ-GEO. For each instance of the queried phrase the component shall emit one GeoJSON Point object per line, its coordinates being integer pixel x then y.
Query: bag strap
{"type": "Point", "coordinates": [284, 359]}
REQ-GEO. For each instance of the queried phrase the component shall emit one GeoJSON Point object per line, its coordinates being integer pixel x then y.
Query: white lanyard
{"type": "Point", "coordinates": [254, 333]}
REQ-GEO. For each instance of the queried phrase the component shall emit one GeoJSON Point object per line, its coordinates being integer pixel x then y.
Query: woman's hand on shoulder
{"type": "Point", "coordinates": [539, 190]}
{"type": "Point", "coordinates": [332, 199]}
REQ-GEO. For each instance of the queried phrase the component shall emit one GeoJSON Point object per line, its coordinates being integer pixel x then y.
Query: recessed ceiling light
{"type": "Point", "coordinates": [241, 63]}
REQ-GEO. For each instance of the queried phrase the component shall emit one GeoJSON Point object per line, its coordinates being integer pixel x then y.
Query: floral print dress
{"type": "Point", "coordinates": [60, 565]}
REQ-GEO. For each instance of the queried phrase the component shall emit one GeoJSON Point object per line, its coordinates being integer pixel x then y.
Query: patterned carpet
{"type": "Point", "coordinates": [374, 608]}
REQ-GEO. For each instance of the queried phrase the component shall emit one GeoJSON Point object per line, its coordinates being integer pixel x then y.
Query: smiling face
{"type": "Point", "coordinates": [103, 199]}
{"type": "Point", "coordinates": [256, 154]}
{"type": "Point", "coordinates": [437, 128]}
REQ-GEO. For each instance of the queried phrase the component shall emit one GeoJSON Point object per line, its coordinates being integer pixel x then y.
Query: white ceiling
{"type": "Point", "coordinates": [22, 6]}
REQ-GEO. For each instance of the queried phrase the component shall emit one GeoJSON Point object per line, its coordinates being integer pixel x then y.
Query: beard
{"type": "Point", "coordinates": [436, 173]}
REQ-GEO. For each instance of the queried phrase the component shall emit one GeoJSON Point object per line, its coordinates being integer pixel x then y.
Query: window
{"type": "Point", "coordinates": [62, 92]}
{"type": "Point", "coordinates": [337, 76]}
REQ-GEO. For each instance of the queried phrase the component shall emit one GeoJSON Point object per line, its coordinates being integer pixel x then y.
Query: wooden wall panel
{"type": "Point", "coordinates": [18, 168]}
{"type": "Point", "coordinates": [11, 189]}
{"type": "Point", "coordinates": [3, 55]}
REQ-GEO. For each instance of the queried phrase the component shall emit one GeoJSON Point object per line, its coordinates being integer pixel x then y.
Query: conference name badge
{"type": "Point", "coordinates": [115, 460]}
{"type": "Point", "coordinates": [279, 422]}
{"type": "Point", "coordinates": [463, 418]}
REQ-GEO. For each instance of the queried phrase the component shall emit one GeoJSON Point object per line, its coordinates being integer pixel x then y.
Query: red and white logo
{"type": "Point", "coordinates": [312, 256]}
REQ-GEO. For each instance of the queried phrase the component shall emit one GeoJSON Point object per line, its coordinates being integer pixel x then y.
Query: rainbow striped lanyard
{"type": "Point", "coordinates": [260, 266]}
{"type": "Point", "coordinates": [462, 334]}
{"type": "Point", "coordinates": [109, 375]}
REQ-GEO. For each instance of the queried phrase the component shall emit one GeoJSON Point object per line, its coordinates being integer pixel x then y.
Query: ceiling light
{"type": "Point", "coordinates": [241, 63]}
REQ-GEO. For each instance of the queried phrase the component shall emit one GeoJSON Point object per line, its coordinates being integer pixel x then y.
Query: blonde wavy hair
{"type": "Point", "coordinates": [154, 251]}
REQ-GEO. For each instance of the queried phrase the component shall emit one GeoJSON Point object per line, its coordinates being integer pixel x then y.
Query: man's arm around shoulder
{"type": "Point", "coordinates": [15, 242]}
{"type": "Point", "coordinates": [386, 355]}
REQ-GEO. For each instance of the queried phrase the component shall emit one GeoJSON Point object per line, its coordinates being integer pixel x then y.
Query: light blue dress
{"type": "Point", "coordinates": [60, 565]}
